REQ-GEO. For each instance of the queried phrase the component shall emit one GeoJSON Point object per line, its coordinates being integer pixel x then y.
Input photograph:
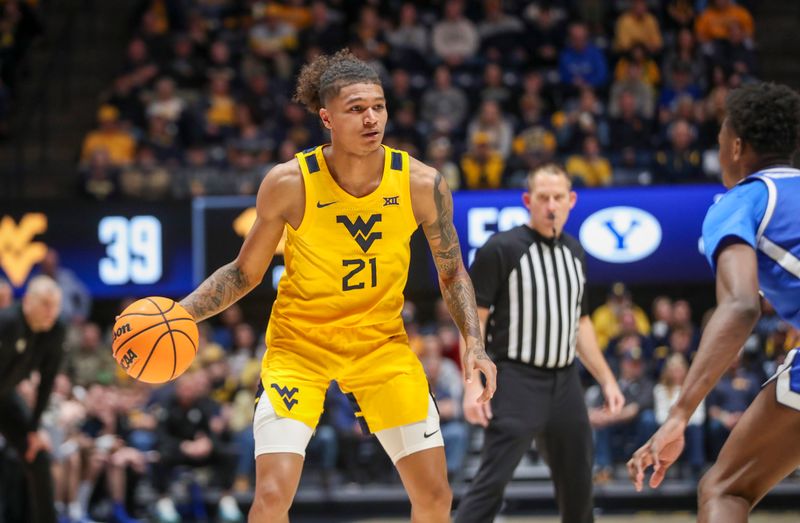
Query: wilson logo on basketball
{"type": "Point", "coordinates": [127, 359]}
{"type": "Point", "coordinates": [120, 331]}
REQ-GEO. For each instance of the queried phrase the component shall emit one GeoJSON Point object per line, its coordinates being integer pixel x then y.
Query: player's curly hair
{"type": "Point", "coordinates": [767, 117]}
{"type": "Point", "coordinates": [327, 74]}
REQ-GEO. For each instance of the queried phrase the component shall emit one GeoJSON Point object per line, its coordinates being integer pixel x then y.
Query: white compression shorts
{"type": "Point", "coordinates": [274, 434]}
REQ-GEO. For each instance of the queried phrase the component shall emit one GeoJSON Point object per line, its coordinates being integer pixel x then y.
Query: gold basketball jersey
{"type": "Point", "coordinates": [347, 262]}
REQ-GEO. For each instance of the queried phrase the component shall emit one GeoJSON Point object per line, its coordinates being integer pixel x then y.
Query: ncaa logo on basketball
{"type": "Point", "coordinates": [620, 234]}
{"type": "Point", "coordinates": [127, 359]}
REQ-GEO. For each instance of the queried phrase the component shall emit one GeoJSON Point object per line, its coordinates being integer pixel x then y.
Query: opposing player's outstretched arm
{"type": "Point", "coordinates": [433, 206]}
{"type": "Point", "coordinates": [279, 191]}
{"type": "Point", "coordinates": [738, 308]}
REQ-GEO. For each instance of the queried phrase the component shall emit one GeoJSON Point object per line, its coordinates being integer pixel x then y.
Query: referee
{"type": "Point", "coordinates": [529, 284]}
{"type": "Point", "coordinates": [31, 339]}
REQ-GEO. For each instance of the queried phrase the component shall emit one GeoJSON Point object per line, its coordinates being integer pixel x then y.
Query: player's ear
{"type": "Point", "coordinates": [738, 146]}
{"type": "Point", "coordinates": [573, 199]}
{"type": "Point", "coordinates": [526, 200]}
{"type": "Point", "coordinates": [325, 116]}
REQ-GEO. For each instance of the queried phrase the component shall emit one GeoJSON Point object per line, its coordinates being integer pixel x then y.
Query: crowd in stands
{"type": "Point", "coordinates": [122, 447]}
{"type": "Point", "coordinates": [621, 92]}
{"type": "Point", "coordinates": [20, 24]}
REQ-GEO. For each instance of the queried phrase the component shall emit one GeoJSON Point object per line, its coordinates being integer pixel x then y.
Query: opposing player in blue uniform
{"type": "Point", "coordinates": [751, 237]}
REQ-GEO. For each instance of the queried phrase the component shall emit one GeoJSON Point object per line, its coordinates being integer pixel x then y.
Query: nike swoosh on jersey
{"type": "Point", "coordinates": [320, 205]}
{"type": "Point", "coordinates": [426, 435]}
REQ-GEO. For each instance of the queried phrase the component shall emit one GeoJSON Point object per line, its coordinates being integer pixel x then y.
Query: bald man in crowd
{"type": "Point", "coordinates": [31, 339]}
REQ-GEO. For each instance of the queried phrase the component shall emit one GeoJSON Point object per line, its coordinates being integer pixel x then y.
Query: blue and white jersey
{"type": "Point", "coordinates": [763, 210]}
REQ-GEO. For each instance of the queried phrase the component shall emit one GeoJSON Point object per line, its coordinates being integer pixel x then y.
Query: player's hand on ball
{"type": "Point", "coordinates": [660, 452]}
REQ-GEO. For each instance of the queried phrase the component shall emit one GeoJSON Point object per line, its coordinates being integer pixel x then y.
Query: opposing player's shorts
{"type": "Point", "coordinates": [274, 434]}
{"type": "Point", "coordinates": [384, 381]}
{"type": "Point", "coordinates": [787, 380]}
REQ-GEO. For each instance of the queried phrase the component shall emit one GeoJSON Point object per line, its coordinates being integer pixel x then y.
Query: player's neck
{"type": "Point", "coordinates": [353, 172]}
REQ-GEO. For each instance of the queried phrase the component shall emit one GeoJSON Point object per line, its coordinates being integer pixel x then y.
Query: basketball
{"type": "Point", "coordinates": [154, 340]}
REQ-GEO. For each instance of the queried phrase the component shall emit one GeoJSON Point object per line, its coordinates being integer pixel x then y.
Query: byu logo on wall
{"type": "Point", "coordinates": [620, 234]}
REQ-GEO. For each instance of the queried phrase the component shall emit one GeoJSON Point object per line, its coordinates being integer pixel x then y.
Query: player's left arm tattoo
{"type": "Point", "coordinates": [455, 283]}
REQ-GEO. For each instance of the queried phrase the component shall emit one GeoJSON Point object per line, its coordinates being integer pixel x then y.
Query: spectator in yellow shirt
{"type": "Point", "coordinates": [637, 26]}
{"type": "Point", "coordinates": [482, 165]}
{"type": "Point", "coordinates": [606, 318]}
{"type": "Point", "coordinates": [714, 22]}
{"type": "Point", "coordinates": [119, 144]}
{"type": "Point", "coordinates": [590, 167]}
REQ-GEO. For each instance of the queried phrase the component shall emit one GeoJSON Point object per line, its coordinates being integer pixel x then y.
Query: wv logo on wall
{"type": "Point", "coordinates": [620, 234]}
{"type": "Point", "coordinates": [19, 251]}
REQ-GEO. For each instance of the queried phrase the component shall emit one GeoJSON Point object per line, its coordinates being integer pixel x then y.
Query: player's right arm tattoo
{"type": "Point", "coordinates": [456, 285]}
{"type": "Point", "coordinates": [218, 292]}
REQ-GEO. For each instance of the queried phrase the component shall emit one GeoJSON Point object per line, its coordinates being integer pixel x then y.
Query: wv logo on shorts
{"type": "Point", "coordinates": [286, 395]}
{"type": "Point", "coordinates": [361, 231]}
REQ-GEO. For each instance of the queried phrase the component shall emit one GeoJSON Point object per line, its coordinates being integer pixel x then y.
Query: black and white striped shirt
{"type": "Point", "coordinates": [534, 289]}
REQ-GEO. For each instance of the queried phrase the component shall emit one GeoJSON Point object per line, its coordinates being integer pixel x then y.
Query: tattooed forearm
{"type": "Point", "coordinates": [442, 234]}
{"type": "Point", "coordinates": [459, 296]}
{"type": "Point", "coordinates": [218, 292]}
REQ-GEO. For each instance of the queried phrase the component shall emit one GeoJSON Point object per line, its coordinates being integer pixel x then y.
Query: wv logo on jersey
{"type": "Point", "coordinates": [361, 231]}
{"type": "Point", "coordinates": [286, 395]}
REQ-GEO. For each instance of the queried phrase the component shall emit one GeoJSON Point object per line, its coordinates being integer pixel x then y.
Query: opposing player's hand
{"type": "Point", "coordinates": [660, 452]}
{"type": "Point", "coordinates": [477, 359]}
{"type": "Point", "coordinates": [475, 412]}
{"type": "Point", "coordinates": [35, 444]}
{"type": "Point", "coordinates": [614, 398]}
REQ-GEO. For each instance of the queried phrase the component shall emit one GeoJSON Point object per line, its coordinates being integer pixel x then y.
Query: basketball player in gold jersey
{"type": "Point", "coordinates": [349, 209]}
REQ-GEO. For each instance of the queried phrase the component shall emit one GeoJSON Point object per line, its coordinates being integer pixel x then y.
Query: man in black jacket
{"type": "Point", "coordinates": [31, 339]}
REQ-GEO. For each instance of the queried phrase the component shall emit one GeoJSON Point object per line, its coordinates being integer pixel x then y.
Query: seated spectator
{"type": "Point", "coordinates": [494, 86]}
{"type": "Point", "coordinates": [630, 130]}
{"type": "Point", "coordinates": [404, 126]}
{"type": "Point", "coordinates": [76, 301]}
{"type": "Point", "coordinates": [147, 179]}
{"type": "Point", "coordinates": [439, 155]}
{"type": "Point", "coordinates": [662, 321]}
{"type": "Point", "coordinates": [607, 317]}
{"type": "Point", "coordinates": [198, 177]}
{"type": "Point", "coordinates": [90, 361]}
{"type": "Point", "coordinates": [186, 67]}
{"type": "Point", "coordinates": [368, 33]}
{"type": "Point", "coordinates": [263, 98]}
{"type": "Point", "coordinates": [727, 402]}
{"type": "Point", "coordinates": [629, 335]}
{"type": "Point", "coordinates": [684, 55]}
{"type": "Point", "coordinates": [482, 165]}
{"type": "Point", "coordinates": [444, 102]}
{"type": "Point", "coordinates": [455, 38]}
{"type": "Point", "coordinates": [581, 63]}
{"type": "Point", "coordinates": [681, 84]}
{"type": "Point", "coordinates": [665, 394]}
{"type": "Point", "coordinates": [637, 26]}
{"type": "Point", "coordinates": [681, 162]}
{"type": "Point", "coordinates": [326, 31]}
{"type": "Point", "coordinates": [191, 435]}
{"type": "Point", "coordinates": [629, 169]}
{"type": "Point", "coordinates": [680, 14]}
{"type": "Point", "coordinates": [736, 53]}
{"type": "Point", "coordinates": [590, 168]}
{"type": "Point", "coordinates": [648, 69]}
{"type": "Point", "coordinates": [500, 34]}
{"type": "Point", "coordinates": [714, 22]}
{"type": "Point", "coordinates": [642, 92]}
{"type": "Point", "coordinates": [166, 103]}
{"type": "Point", "coordinates": [409, 39]}
{"type": "Point", "coordinates": [580, 118]}
{"type": "Point", "coordinates": [491, 122]}
{"type": "Point", "coordinates": [99, 178]}
{"type": "Point", "coordinates": [139, 67]}
{"type": "Point", "coordinates": [618, 435]}
{"type": "Point", "coordinates": [544, 37]}
{"type": "Point", "coordinates": [220, 108]}
{"type": "Point", "coordinates": [110, 136]}
{"type": "Point", "coordinates": [272, 39]}
{"type": "Point", "coordinates": [444, 378]}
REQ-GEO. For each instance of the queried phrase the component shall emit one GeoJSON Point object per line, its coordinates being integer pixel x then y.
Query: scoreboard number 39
{"type": "Point", "coordinates": [133, 250]}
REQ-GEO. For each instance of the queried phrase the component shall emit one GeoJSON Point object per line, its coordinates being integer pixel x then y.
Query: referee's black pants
{"type": "Point", "coordinates": [14, 428]}
{"type": "Point", "coordinates": [547, 405]}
